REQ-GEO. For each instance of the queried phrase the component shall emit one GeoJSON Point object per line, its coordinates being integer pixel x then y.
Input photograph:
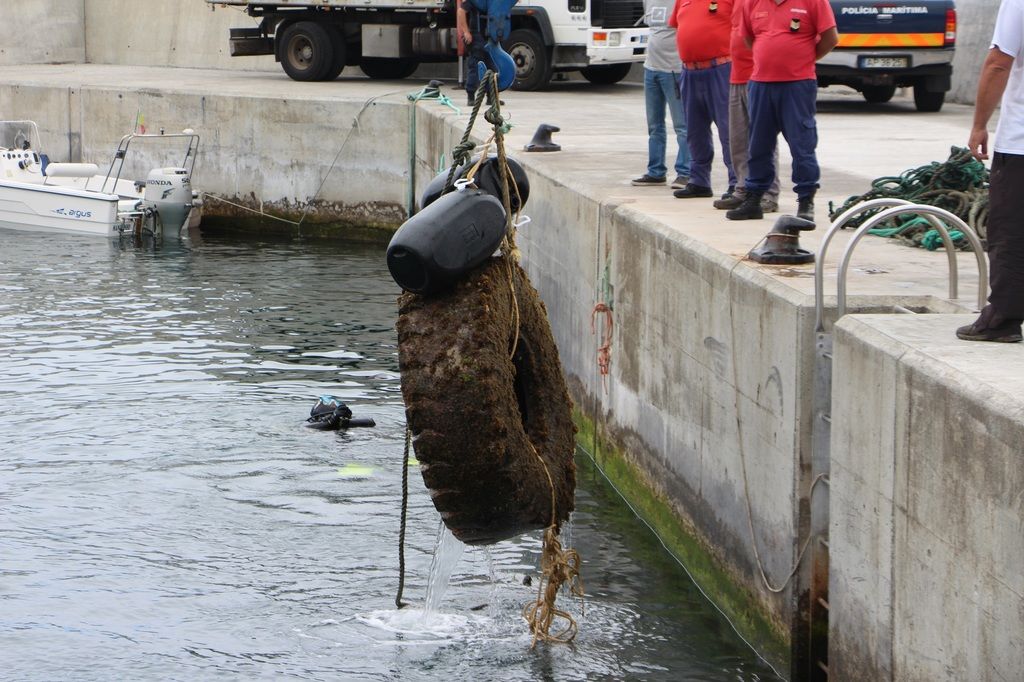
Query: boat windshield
{"type": "Point", "coordinates": [19, 135]}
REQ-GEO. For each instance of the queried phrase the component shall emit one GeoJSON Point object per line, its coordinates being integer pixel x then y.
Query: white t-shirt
{"type": "Point", "coordinates": [1009, 39]}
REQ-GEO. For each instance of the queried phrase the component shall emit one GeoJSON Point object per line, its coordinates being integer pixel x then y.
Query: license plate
{"type": "Point", "coordinates": [884, 62]}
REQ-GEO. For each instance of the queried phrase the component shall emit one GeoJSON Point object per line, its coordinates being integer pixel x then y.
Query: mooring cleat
{"type": "Point", "coordinates": [781, 246]}
{"type": "Point", "coordinates": [541, 141]}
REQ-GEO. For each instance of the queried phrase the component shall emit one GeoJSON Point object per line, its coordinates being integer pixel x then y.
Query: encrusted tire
{"type": "Point", "coordinates": [480, 418]}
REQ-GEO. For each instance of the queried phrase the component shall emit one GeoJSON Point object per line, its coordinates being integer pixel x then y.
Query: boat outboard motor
{"type": "Point", "coordinates": [169, 193]}
{"type": "Point", "coordinates": [329, 413]}
{"type": "Point", "coordinates": [457, 232]}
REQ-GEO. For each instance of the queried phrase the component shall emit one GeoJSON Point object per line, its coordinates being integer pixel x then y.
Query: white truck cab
{"type": "Point", "coordinates": [314, 41]}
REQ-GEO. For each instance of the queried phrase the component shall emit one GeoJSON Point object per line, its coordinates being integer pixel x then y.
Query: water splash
{"type": "Point", "coordinates": [447, 552]}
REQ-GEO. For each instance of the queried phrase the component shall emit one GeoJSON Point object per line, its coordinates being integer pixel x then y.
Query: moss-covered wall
{"type": "Point", "coordinates": [769, 636]}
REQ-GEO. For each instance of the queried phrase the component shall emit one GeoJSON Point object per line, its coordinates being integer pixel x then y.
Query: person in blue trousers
{"type": "Point", "coordinates": [661, 90]}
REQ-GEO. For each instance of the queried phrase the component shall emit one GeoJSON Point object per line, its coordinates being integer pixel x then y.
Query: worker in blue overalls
{"type": "Point", "coordinates": [471, 26]}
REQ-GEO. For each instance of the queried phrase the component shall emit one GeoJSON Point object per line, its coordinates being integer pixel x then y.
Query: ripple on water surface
{"type": "Point", "coordinates": [164, 514]}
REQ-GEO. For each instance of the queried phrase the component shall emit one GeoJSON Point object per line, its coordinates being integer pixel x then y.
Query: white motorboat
{"type": "Point", "coordinates": [42, 196]}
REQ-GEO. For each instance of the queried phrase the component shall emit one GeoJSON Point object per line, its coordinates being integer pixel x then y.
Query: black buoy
{"type": "Point", "coordinates": [781, 246]}
{"type": "Point", "coordinates": [488, 178]}
{"type": "Point", "coordinates": [330, 414]}
{"type": "Point", "coordinates": [455, 233]}
{"type": "Point", "coordinates": [541, 141]}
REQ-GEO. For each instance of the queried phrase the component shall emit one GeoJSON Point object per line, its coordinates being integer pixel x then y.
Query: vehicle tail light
{"type": "Point", "coordinates": [950, 39]}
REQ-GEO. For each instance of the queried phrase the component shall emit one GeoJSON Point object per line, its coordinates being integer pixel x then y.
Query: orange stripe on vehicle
{"type": "Point", "coordinates": [891, 40]}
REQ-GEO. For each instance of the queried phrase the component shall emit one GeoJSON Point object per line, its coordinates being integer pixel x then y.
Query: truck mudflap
{"type": "Point", "coordinates": [616, 45]}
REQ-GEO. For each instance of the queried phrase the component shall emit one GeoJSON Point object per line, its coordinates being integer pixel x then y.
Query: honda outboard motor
{"type": "Point", "coordinates": [169, 193]}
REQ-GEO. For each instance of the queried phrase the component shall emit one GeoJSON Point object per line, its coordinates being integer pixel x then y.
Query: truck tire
{"type": "Point", "coordinates": [606, 74]}
{"type": "Point", "coordinates": [878, 94]}
{"type": "Point", "coordinates": [340, 54]}
{"type": "Point", "coordinates": [387, 68]}
{"type": "Point", "coordinates": [531, 57]}
{"type": "Point", "coordinates": [927, 100]}
{"type": "Point", "coordinates": [306, 50]}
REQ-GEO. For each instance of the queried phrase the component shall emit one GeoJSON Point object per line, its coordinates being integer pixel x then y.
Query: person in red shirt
{"type": "Point", "coordinates": [702, 38]}
{"type": "Point", "coordinates": [739, 119]}
{"type": "Point", "coordinates": [788, 37]}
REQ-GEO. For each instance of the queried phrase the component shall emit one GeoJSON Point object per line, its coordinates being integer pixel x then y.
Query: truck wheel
{"type": "Point", "coordinates": [878, 94]}
{"type": "Point", "coordinates": [606, 74]}
{"type": "Point", "coordinates": [532, 59]}
{"type": "Point", "coordinates": [386, 68]}
{"type": "Point", "coordinates": [338, 43]}
{"type": "Point", "coordinates": [927, 100]}
{"type": "Point", "coordinates": [306, 51]}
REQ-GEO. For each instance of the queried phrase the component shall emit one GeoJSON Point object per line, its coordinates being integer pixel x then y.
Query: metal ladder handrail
{"type": "Point", "coordinates": [933, 213]}
{"type": "Point", "coordinates": [896, 207]}
{"type": "Point", "coordinates": [838, 224]}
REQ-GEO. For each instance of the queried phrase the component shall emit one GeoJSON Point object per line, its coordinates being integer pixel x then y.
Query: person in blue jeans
{"type": "Point", "coordinates": [661, 90]}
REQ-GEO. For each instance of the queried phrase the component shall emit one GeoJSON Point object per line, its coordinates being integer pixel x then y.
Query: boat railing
{"type": "Point", "coordinates": [188, 163]}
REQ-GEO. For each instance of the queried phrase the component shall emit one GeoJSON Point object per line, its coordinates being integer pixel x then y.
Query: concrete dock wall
{"type": "Point", "coordinates": [42, 32]}
{"type": "Point", "coordinates": [182, 33]}
{"type": "Point", "coordinates": [709, 376]}
{"type": "Point", "coordinates": [927, 528]}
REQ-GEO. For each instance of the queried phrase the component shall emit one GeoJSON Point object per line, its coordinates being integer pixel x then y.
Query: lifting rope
{"type": "Point", "coordinates": [959, 185]}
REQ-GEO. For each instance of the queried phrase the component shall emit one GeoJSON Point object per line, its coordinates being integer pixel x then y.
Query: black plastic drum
{"type": "Point", "coordinates": [455, 233]}
{"type": "Point", "coordinates": [488, 178]}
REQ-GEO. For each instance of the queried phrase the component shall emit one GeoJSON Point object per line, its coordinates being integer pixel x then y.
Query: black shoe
{"type": "Point", "coordinates": [989, 327]}
{"type": "Point", "coordinates": [729, 192]}
{"type": "Point", "coordinates": [692, 191]}
{"type": "Point", "coordinates": [805, 208]}
{"type": "Point", "coordinates": [750, 209]}
{"type": "Point", "coordinates": [728, 201]}
{"type": "Point", "coordinates": [645, 180]}
{"type": "Point", "coordinates": [680, 182]}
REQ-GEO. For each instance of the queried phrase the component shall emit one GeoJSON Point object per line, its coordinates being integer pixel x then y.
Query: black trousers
{"type": "Point", "coordinates": [476, 52]}
{"type": "Point", "coordinates": [1005, 235]}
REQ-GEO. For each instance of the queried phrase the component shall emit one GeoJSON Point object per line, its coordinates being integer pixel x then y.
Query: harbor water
{"type": "Point", "coordinates": [165, 515]}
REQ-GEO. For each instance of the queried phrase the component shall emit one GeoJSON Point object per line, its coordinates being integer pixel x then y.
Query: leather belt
{"type": "Point", "coordinates": [694, 66]}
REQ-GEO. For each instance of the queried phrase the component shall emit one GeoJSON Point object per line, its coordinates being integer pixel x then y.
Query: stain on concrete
{"type": "Point", "coordinates": [719, 354]}
{"type": "Point", "coordinates": [769, 394]}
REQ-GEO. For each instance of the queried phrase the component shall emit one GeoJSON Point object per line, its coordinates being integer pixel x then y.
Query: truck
{"type": "Point", "coordinates": [893, 43]}
{"type": "Point", "coordinates": [314, 41]}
